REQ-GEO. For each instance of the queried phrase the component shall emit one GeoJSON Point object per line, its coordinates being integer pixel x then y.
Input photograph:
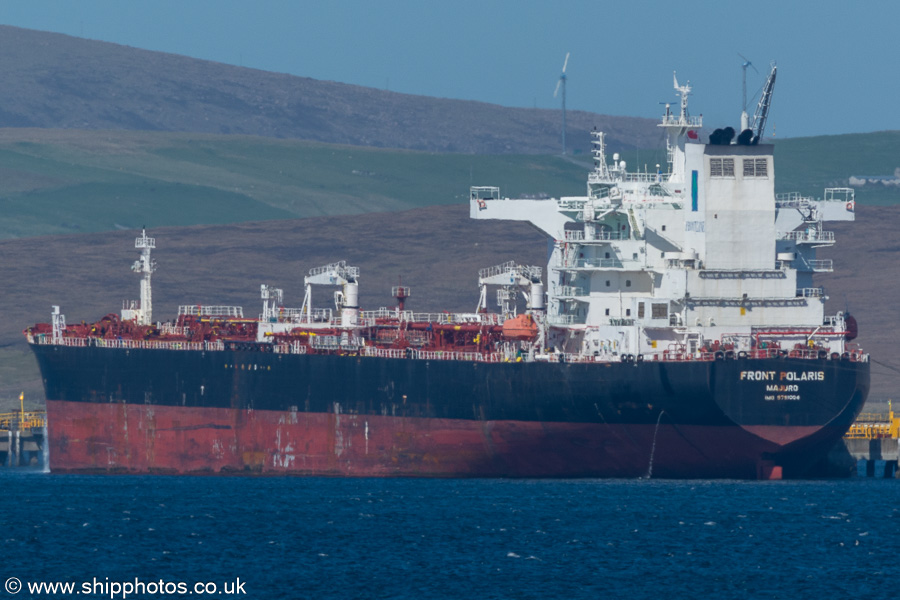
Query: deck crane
{"type": "Point", "coordinates": [758, 124]}
{"type": "Point", "coordinates": [346, 300]}
{"type": "Point", "coordinates": [511, 278]}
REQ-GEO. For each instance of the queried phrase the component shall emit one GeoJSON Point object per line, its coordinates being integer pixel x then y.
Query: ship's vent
{"type": "Point", "coordinates": [755, 167]}
{"type": "Point", "coordinates": [721, 167]}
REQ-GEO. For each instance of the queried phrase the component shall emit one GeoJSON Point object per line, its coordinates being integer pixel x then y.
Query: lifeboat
{"type": "Point", "coordinates": [522, 327]}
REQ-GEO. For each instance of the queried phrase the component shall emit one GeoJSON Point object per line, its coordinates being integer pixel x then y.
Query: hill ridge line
{"type": "Point", "coordinates": [54, 80]}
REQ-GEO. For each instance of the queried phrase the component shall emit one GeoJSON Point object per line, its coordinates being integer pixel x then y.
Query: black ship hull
{"type": "Point", "coordinates": [250, 411]}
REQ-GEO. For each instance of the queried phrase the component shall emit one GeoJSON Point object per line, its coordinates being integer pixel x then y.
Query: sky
{"type": "Point", "coordinates": [837, 59]}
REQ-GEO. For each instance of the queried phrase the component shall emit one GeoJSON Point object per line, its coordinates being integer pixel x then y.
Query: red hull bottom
{"type": "Point", "coordinates": [128, 438]}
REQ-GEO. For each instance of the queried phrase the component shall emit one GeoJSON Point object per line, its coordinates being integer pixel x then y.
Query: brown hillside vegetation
{"type": "Point", "coordinates": [52, 80]}
{"type": "Point", "coordinates": [437, 251]}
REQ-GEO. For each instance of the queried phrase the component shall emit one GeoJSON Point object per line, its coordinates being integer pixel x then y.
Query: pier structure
{"type": "Point", "coordinates": [870, 448]}
{"type": "Point", "coordinates": [22, 437]}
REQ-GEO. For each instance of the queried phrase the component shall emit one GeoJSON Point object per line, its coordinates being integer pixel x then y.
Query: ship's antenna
{"type": "Point", "coordinates": [562, 83]}
{"type": "Point", "coordinates": [599, 152]}
{"type": "Point", "coordinates": [145, 266]}
{"type": "Point", "coordinates": [677, 127]}
{"type": "Point", "coordinates": [744, 66]}
{"type": "Point", "coordinates": [684, 91]}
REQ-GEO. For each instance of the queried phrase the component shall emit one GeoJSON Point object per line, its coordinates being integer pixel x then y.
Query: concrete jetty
{"type": "Point", "coordinates": [23, 436]}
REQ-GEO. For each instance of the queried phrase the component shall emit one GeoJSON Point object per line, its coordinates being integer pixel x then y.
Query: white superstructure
{"type": "Point", "coordinates": [699, 257]}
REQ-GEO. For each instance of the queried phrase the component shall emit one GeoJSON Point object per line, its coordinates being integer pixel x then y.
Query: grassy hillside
{"type": "Point", "coordinates": [808, 165]}
{"type": "Point", "coordinates": [72, 181]}
{"type": "Point", "coordinates": [54, 181]}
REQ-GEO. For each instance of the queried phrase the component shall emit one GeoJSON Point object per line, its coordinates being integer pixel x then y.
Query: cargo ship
{"type": "Point", "coordinates": [678, 333]}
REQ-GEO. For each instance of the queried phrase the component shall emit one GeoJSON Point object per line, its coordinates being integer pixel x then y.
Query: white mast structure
{"type": "Point", "coordinates": [677, 128]}
{"type": "Point", "coordinates": [59, 324]}
{"type": "Point", "coordinates": [142, 311]}
{"type": "Point", "coordinates": [273, 299]}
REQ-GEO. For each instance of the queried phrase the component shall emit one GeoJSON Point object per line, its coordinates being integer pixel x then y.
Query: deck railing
{"type": "Point", "coordinates": [852, 353]}
{"type": "Point", "coordinates": [17, 421]}
{"type": "Point", "coordinates": [596, 263]}
{"type": "Point", "coordinates": [566, 319]}
{"type": "Point", "coordinates": [79, 342]}
{"type": "Point", "coordinates": [570, 290]}
{"type": "Point", "coordinates": [211, 311]}
{"type": "Point", "coordinates": [825, 265]}
{"type": "Point", "coordinates": [815, 292]}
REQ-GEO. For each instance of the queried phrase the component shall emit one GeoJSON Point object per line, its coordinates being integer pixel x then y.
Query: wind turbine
{"type": "Point", "coordinates": [745, 119]}
{"type": "Point", "coordinates": [562, 83]}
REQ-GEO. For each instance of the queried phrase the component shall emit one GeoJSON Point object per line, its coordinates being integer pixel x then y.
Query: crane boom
{"type": "Point", "coordinates": [758, 125]}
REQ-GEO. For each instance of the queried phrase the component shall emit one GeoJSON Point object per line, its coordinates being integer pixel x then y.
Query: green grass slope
{"type": "Point", "coordinates": [808, 165]}
{"type": "Point", "coordinates": [55, 181]}
{"type": "Point", "coordinates": [72, 181]}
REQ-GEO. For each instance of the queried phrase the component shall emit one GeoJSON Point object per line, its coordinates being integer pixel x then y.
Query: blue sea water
{"type": "Point", "coordinates": [399, 538]}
